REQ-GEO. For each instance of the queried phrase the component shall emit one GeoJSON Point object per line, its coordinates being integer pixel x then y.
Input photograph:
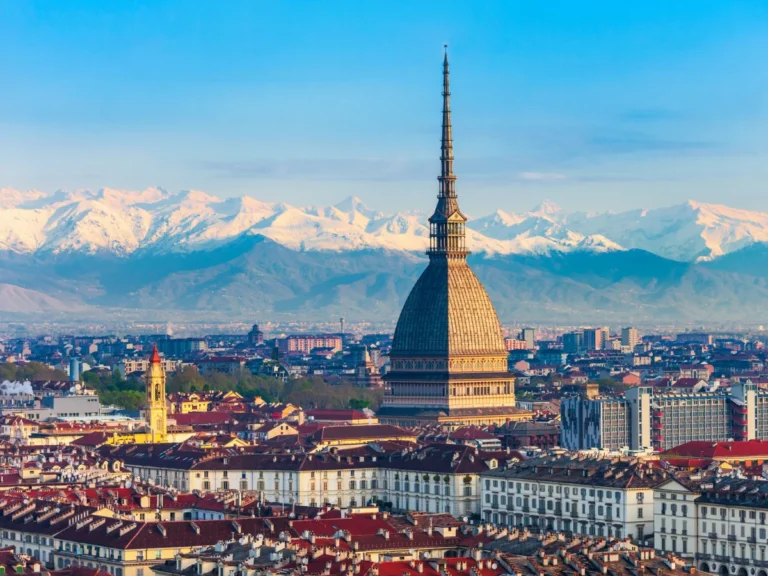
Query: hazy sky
{"type": "Point", "coordinates": [592, 104]}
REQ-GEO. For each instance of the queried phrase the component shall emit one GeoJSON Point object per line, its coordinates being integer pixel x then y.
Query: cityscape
{"type": "Point", "coordinates": [158, 419]}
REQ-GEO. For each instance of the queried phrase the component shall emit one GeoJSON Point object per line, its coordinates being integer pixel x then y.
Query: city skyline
{"type": "Point", "coordinates": [592, 106]}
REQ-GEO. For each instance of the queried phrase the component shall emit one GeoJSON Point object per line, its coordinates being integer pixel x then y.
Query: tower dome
{"type": "Point", "coordinates": [448, 312]}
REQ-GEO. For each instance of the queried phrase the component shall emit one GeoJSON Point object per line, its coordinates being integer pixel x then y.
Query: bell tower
{"type": "Point", "coordinates": [155, 411]}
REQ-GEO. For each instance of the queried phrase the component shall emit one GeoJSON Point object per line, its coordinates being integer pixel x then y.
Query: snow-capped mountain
{"type": "Point", "coordinates": [124, 222]}
{"type": "Point", "coordinates": [687, 232]}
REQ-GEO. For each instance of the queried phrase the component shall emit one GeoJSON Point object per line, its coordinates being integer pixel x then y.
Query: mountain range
{"type": "Point", "coordinates": [94, 252]}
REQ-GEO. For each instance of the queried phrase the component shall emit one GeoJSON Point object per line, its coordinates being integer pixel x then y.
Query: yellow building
{"type": "Point", "coordinates": [187, 403]}
{"type": "Point", "coordinates": [155, 409]}
{"type": "Point", "coordinates": [156, 412]}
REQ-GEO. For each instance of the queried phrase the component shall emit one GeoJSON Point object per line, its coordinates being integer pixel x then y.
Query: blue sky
{"type": "Point", "coordinates": [595, 105]}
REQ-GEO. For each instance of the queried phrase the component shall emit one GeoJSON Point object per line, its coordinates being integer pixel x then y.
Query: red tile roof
{"type": "Point", "coordinates": [756, 449]}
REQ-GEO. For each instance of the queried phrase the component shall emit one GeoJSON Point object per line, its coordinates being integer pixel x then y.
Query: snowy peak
{"type": "Point", "coordinates": [547, 208]}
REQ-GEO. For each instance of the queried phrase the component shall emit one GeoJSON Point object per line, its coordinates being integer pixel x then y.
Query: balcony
{"type": "Point", "coordinates": [510, 506]}
{"type": "Point", "coordinates": [609, 517]}
{"type": "Point", "coordinates": [752, 539]}
{"type": "Point", "coordinates": [662, 530]}
{"type": "Point", "coordinates": [760, 563]}
{"type": "Point", "coordinates": [732, 537]}
{"type": "Point", "coordinates": [720, 558]}
{"type": "Point", "coordinates": [574, 513]}
{"type": "Point", "coordinates": [658, 413]}
{"type": "Point", "coordinates": [591, 516]}
{"type": "Point", "coordinates": [701, 556]}
{"type": "Point", "coordinates": [658, 438]}
{"type": "Point", "coordinates": [526, 509]}
{"type": "Point", "coordinates": [658, 426]}
{"type": "Point", "coordinates": [673, 530]}
{"type": "Point", "coordinates": [558, 511]}
{"type": "Point", "coordinates": [712, 535]}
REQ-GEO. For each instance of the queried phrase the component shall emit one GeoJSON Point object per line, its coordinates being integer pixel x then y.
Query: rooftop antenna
{"type": "Point", "coordinates": [341, 321]}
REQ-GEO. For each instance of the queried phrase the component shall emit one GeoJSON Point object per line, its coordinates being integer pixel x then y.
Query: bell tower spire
{"type": "Point", "coordinates": [447, 234]}
{"type": "Point", "coordinates": [155, 411]}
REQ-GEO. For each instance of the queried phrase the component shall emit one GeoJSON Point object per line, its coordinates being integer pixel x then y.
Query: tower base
{"type": "Point", "coordinates": [451, 419]}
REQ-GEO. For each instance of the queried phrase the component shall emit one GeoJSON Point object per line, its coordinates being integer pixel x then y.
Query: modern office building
{"type": "Point", "coordinates": [642, 419]}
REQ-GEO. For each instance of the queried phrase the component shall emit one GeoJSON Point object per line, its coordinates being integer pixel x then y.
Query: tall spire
{"type": "Point", "coordinates": [447, 178]}
{"type": "Point", "coordinates": [446, 225]}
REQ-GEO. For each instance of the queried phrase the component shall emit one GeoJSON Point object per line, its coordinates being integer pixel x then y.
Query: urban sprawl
{"type": "Point", "coordinates": [444, 449]}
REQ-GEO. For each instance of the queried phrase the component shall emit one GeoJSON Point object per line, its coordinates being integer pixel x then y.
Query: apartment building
{"type": "Point", "coordinates": [644, 419]}
{"type": "Point", "coordinates": [304, 344]}
{"type": "Point", "coordinates": [590, 496]}
{"type": "Point", "coordinates": [131, 365]}
{"type": "Point", "coordinates": [435, 478]}
{"type": "Point", "coordinates": [719, 523]}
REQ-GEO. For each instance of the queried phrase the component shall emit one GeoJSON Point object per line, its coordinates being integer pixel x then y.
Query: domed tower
{"type": "Point", "coordinates": [448, 362]}
{"type": "Point", "coordinates": [155, 410]}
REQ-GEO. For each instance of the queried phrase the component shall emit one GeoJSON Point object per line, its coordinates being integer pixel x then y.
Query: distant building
{"type": "Point", "coordinates": [694, 338]}
{"type": "Point", "coordinates": [131, 365]}
{"type": "Point", "coordinates": [528, 335]}
{"type": "Point", "coordinates": [366, 373]}
{"type": "Point", "coordinates": [304, 344]}
{"type": "Point", "coordinates": [573, 342]}
{"type": "Point", "coordinates": [630, 337]}
{"type": "Point", "coordinates": [231, 365]}
{"type": "Point", "coordinates": [515, 344]}
{"type": "Point", "coordinates": [593, 338]}
{"type": "Point", "coordinates": [181, 346]}
{"type": "Point", "coordinates": [255, 336]}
